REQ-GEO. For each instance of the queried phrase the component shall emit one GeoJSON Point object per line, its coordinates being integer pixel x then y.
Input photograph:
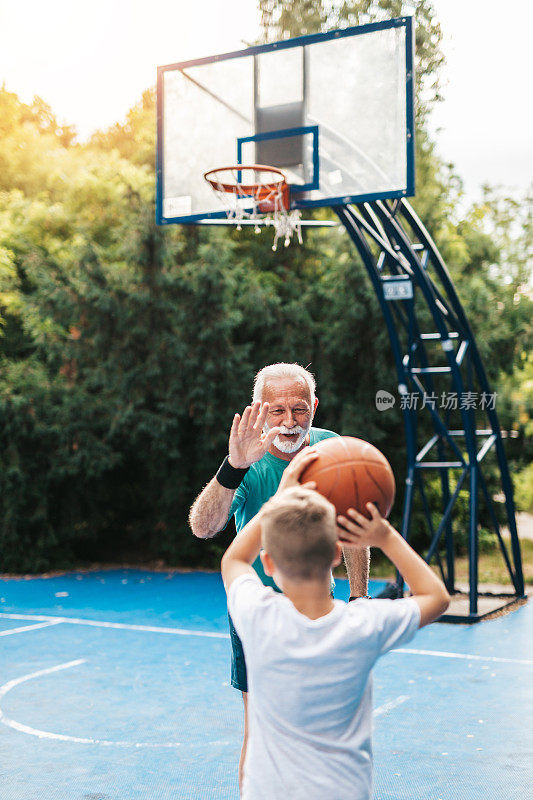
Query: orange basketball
{"type": "Point", "coordinates": [350, 473]}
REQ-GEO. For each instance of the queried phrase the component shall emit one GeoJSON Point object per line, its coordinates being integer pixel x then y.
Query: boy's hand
{"type": "Point", "coordinates": [291, 473]}
{"type": "Point", "coordinates": [358, 531]}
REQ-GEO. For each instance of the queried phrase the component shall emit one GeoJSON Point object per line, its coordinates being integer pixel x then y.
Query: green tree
{"type": "Point", "coordinates": [134, 139]}
{"type": "Point", "coordinates": [125, 348]}
{"type": "Point", "coordinates": [283, 19]}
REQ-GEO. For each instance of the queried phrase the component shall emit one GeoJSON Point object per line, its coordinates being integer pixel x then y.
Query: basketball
{"type": "Point", "coordinates": [350, 472]}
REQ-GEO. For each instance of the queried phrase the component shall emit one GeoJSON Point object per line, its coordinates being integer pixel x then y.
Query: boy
{"type": "Point", "coordinates": [309, 657]}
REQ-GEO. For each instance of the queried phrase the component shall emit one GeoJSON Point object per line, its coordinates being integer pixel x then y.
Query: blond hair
{"type": "Point", "coordinates": [299, 532]}
{"type": "Point", "coordinates": [283, 371]}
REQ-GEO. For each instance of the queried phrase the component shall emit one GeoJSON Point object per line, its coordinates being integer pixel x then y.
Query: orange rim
{"type": "Point", "coordinates": [261, 192]}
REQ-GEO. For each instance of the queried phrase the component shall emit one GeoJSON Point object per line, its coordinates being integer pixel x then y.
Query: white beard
{"type": "Point", "coordinates": [289, 447]}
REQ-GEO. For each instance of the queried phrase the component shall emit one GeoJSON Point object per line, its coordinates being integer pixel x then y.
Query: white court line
{"type": "Point", "coordinates": [11, 684]}
{"type": "Point", "coordinates": [122, 626]}
{"type": "Point", "coordinates": [18, 726]}
{"type": "Point", "coordinates": [466, 656]}
{"type": "Point", "coordinates": [30, 627]}
{"type": "Point", "coordinates": [212, 635]}
{"type": "Point", "coordinates": [386, 707]}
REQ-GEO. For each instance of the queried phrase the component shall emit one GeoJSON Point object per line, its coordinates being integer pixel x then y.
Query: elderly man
{"type": "Point", "coordinates": [262, 441]}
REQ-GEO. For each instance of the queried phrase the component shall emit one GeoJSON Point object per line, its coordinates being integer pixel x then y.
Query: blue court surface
{"type": "Point", "coordinates": [114, 685]}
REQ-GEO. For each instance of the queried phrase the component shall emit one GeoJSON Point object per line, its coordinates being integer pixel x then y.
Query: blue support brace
{"type": "Point", "coordinates": [407, 273]}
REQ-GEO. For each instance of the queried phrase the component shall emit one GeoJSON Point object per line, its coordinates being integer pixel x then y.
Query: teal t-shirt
{"type": "Point", "coordinates": [258, 485]}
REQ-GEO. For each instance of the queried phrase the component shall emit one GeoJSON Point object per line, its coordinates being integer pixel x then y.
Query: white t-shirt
{"type": "Point", "coordinates": [310, 690]}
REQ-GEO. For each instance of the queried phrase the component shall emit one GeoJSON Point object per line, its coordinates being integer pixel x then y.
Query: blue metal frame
{"type": "Point", "coordinates": [299, 41]}
{"type": "Point", "coordinates": [159, 153]}
{"type": "Point", "coordinates": [410, 105]}
{"type": "Point", "coordinates": [408, 252]}
{"type": "Point", "coordinates": [221, 215]}
{"type": "Point", "coordinates": [285, 133]}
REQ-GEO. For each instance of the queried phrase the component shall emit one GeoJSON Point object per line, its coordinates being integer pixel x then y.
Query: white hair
{"type": "Point", "coordinates": [281, 371]}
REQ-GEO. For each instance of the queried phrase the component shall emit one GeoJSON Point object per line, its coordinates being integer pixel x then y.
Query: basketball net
{"type": "Point", "coordinates": [260, 194]}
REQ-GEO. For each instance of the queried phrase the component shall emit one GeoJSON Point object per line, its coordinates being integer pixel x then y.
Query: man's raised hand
{"type": "Point", "coordinates": [247, 442]}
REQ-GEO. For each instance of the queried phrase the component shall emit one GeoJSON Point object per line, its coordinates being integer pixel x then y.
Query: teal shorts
{"type": "Point", "coordinates": [239, 679]}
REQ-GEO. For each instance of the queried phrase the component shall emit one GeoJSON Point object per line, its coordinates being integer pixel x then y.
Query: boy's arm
{"type": "Point", "coordinates": [244, 549]}
{"type": "Point", "coordinates": [242, 552]}
{"type": "Point", "coordinates": [427, 589]}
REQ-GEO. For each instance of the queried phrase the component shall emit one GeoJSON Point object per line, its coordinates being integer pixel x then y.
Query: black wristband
{"type": "Point", "coordinates": [360, 597]}
{"type": "Point", "coordinates": [230, 477]}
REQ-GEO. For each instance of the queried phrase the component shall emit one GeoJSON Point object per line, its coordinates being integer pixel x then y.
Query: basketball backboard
{"type": "Point", "coordinates": [333, 110]}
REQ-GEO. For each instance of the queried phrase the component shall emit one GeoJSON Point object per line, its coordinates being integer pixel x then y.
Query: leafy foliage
{"type": "Point", "coordinates": [282, 19]}
{"type": "Point", "coordinates": [125, 348]}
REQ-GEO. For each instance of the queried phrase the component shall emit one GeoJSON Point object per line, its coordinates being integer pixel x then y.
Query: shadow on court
{"type": "Point", "coordinates": [115, 686]}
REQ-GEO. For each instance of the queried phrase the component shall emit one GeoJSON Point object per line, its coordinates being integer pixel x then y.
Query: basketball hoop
{"type": "Point", "coordinates": [258, 193]}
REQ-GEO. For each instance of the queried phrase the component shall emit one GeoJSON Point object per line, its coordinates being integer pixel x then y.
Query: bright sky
{"type": "Point", "coordinates": [485, 124]}
{"type": "Point", "coordinates": [92, 61]}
